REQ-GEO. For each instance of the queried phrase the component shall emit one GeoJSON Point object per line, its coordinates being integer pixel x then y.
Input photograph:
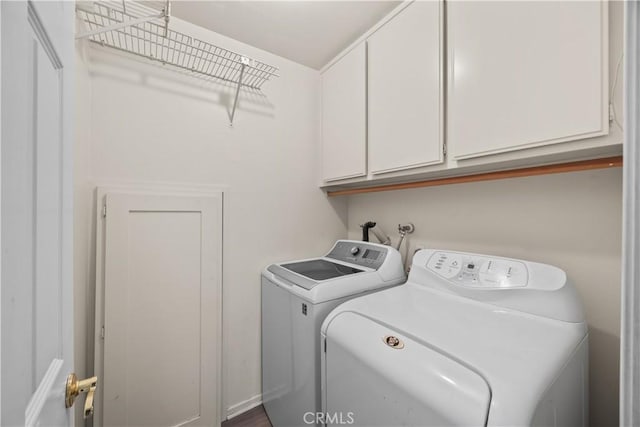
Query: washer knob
{"type": "Point", "coordinates": [355, 250]}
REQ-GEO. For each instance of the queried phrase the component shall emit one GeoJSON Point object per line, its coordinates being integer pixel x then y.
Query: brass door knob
{"type": "Point", "coordinates": [75, 387]}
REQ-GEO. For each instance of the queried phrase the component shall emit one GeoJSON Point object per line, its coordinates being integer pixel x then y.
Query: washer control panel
{"type": "Point", "coordinates": [478, 271]}
{"type": "Point", "coordinates": [360, 253]}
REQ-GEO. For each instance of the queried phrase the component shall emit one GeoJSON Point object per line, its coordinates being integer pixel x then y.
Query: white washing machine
{"type": "Point", "coordinates": [296, 298]}
{"type": "Point", "coordinates": [469, 340]}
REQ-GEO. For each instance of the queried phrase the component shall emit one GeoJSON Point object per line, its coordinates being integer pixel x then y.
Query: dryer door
{"type": "Point", "coordinates": [373, 380]}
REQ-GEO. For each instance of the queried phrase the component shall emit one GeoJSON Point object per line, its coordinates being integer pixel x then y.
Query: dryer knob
{"type": "Point", "coordinates": [355, 250]}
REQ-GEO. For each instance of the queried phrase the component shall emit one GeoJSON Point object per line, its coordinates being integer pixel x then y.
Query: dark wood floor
{"type": "Point", "coordinates": [255, 417]}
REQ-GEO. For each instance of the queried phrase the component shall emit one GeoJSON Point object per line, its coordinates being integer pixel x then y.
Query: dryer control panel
{"type": "Point", "coordinates": [478, 271]}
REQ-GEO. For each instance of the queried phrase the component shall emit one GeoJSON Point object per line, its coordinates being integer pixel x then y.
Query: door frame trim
{"type": "Point", "coordinates": [0, 207]}
{"type": "Point", "coordinates": [630, 286]}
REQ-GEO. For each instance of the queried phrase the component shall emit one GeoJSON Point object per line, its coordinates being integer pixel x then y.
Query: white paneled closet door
{"type": "Point", "coordinates": [162, 310]}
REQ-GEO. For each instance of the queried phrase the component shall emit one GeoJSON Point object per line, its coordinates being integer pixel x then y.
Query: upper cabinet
{"type": "Point", "coordinates": [525, 74]}
{"type": "Point", "coordinates": [522, 83]}
{"type": "Point", "coordinates": [405, 96]}
{"type": "Point", "coordinates": [344, 122]}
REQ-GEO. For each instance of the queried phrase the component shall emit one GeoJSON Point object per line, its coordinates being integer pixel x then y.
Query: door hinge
{"type": "Point", "coordinates": [325, 345]}
{"type": "Point", "coordinates": [102, 332]}
{"type": "Point", "coordinates": [104, 211]}
{"type": "Point", "coordinates": [444, 149]}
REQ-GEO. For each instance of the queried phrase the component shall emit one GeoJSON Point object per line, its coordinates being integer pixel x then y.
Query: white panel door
{"type": "Point", "coordinates": [37, 222]}
{"type": "Point", "coordinates": [162, 310]}
{"type": "Point", "coordinates": [405, 95]}
{"type": "Point", "coordinates": [344, 121]}
{"type": "Point", "coordinates": [525, 74]}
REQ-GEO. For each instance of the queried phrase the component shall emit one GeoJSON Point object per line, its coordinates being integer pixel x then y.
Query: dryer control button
{"type": "Point", "coordinates": [504, 274]}
{"type": "Point", "coordinates": [446, 265]}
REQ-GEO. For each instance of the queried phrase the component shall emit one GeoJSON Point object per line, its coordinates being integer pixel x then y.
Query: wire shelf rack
{"type": "Point", "coordinates": [143, 30]}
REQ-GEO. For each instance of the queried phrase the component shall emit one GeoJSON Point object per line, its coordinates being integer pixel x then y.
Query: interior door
{"type": "Point", "coordinates": [162, 310]}
{"type": "Point", "coordinates": [36, 200]}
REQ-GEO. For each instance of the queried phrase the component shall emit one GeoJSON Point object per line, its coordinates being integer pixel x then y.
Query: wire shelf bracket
{"type": "Point", "coordinates": [137, 28]}
{"type": "Point", "coordinates": [244, 62]}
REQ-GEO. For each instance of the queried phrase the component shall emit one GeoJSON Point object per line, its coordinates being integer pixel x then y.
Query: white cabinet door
{"type": "Point", "coordinates": [405, 90]}
{"type": "Point", "coordinates": [162, 310]}
{"type": "Point", "coordinates": [525, 74]}
{"type": "Point", "coordinates": [344, 117]}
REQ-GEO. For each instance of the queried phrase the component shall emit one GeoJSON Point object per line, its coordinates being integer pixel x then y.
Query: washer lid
{"type": "Point", "coordinates": [381, 376]}
{"type": "Point", "coordinates": [320, 269]}
{"type": "Point", "coordinates": [308, 274]}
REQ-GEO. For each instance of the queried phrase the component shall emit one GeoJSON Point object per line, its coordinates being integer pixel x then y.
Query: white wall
{"type": "Point", "coordinates": [140, 123]}
{"type": "Point", "coordinates": [569, 220]}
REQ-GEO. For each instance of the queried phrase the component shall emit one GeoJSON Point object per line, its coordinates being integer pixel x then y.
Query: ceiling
{"type": "Point", "coordinates": [307, 32]}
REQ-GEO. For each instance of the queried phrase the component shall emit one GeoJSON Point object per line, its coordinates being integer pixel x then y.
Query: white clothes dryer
{"type": "Point", "coordinates": [296, 298]}
{"type": "Point", "coordinates": [469, 340]}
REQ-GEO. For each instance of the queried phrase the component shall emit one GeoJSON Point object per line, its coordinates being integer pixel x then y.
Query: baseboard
{"type": "Point", "coordinates": [244, 406]}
